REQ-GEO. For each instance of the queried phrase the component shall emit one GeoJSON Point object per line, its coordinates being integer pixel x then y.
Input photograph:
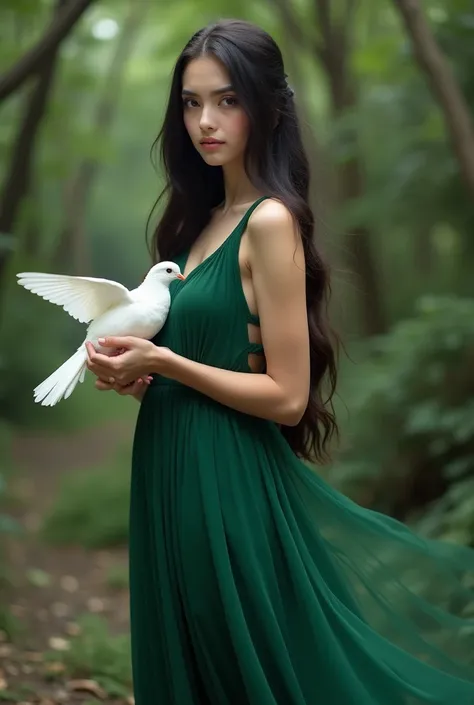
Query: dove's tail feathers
{"type": "Point", "coordinates": [62, 382]}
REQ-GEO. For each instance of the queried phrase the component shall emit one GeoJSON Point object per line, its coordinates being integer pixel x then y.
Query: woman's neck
{"type": "Point", "coordinates": [238, 188]}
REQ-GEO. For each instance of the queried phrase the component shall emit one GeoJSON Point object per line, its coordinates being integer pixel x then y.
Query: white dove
{"type": "Point", "coordinates": [113, 310]}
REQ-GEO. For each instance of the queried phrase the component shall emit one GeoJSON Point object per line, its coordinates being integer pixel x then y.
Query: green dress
{"type": "Point", "coordinates": [252, 580]}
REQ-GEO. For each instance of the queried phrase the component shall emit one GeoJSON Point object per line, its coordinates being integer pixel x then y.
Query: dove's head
{"type": "Point", "coordinates": [164, 273]}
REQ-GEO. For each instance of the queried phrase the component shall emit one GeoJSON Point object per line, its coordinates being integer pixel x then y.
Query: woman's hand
{"type": "Point", "coordinates": [135, 389]}
{"type": "Point", "coordinates": [138, 359]}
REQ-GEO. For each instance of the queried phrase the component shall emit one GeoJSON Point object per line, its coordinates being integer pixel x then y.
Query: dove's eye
{"type": "Point", "coordinates": [169, 270]}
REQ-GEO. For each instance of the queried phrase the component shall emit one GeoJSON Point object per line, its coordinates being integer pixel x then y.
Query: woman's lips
{"type": "Point", "coordinates": [212, 145]}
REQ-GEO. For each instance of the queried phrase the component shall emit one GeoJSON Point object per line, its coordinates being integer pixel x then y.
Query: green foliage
{"type": "Point", "coordinates": [21, 693]}
{"type": "Point", "coordinates": [97, 654]}
{"type": "Point", "coordinates": [118, 577]}
{"type": "Point", "coordinates": [10, 623]}
{"type": "Point", "coordinates": [7, 525]}
{"type": "Point", "coordinates": [411, 428]}
{"type": "Point", "coordinates": [91, 508]}
{"type": "Point", "coordinates": [32, 343]}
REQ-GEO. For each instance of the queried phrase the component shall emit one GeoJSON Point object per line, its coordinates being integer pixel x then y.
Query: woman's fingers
{"type": "Point", "coordinates": [103, 386]}
{"type": "Point", "coordinates": [101, 371]}
{"type": "Point", "coordinates": [108, 385]}
{"type": "Point", "coordinates": [131, 388]}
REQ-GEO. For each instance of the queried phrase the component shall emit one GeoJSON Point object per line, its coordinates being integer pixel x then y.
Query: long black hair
{"type": "Point", "coordinates": [277, 166]}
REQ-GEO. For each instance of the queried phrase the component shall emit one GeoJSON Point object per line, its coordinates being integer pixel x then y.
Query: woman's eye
{"type": "Point", "coordinates": [189, 102]}
{"type": "Point", "coordinates": [230, 100]}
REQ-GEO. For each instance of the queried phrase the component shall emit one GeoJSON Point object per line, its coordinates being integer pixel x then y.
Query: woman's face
{"type": "Point", "coordinates": [216, 123]}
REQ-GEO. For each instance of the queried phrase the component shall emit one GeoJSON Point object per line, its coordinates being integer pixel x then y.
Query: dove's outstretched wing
{"type": "Point", "coordinates": [84, 298]}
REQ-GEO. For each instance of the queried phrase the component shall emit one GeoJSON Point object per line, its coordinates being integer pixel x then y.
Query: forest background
{"type": "Point", "coordinates": [385, 92]}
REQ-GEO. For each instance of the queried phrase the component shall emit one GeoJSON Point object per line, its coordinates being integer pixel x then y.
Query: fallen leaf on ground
{"type": "Point", "coordinates": [34, 656]}
{"type": "Point", "coordinates": [58, 643]}
{"type": "Point", "coordinates": [3, 682]}
{"type": "Point", "coordinates": [5, 651]}
{"type": "Point", "coordinates": [73, 629]}
{"type": "Point", "coordinates": [95, 604]}
{"type": "Point", "coordinates": [87, 686]}
{"type": "Point", "coordinates": [55, 668]}
{"type": "Point", "coordinates": [69, 583]}
{"type": "Point", "coordinates": [60, 609]}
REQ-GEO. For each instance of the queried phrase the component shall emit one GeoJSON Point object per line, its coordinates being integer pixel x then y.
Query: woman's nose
{"type": "Point", "coordinates": [207, 119]}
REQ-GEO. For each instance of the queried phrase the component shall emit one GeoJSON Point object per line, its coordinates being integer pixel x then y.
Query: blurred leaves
{"type": "Point", "coordinates": [411, 429]}
{"type": "Point", "coordinates": [77, 515]}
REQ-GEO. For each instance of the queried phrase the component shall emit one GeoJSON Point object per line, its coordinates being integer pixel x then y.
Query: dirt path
{"type": "Point", "coordinates": [54, 586]}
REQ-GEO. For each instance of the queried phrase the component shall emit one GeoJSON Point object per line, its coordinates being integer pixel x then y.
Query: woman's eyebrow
{"type": "Point", "coordinates": [216, 91]}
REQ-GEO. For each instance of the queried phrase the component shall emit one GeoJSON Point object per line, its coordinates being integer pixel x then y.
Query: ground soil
{"type": "Point", "coordinates": [76, 577]}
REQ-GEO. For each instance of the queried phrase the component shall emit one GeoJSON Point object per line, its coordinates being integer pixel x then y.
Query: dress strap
{"type": "Point", "coordinates": [245, 219]}
{"type": "Point", "coordinates": [255, 348]}
{"type": "Point", "coordinates": [254, 319]}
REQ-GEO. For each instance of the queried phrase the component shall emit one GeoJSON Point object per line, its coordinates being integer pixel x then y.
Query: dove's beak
{"type": "Point", "coordinates": [180, 276]}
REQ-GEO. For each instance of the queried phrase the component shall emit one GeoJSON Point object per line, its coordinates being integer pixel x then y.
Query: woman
{"type": "Point", "coordinates": [252, 581]}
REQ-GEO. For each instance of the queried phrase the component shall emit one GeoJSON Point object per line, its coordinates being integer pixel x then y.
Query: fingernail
{"type": "Point", "coordinates": [101, 340]}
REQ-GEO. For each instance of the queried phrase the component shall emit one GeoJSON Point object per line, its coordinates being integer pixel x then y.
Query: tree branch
{"type": "Point", "coordinates": [332, 51]}
{"type": "Point", "coordinates": [288, 16]}
{"type": "Point", "coordinates": [443, 85]}
{"type": "Point", "coordinates": [350, 11]}
{"type": "Point", "coordinates": [334, 45]}
{"type": "Point", "coordinates": [28, 64]}
{"type": "Point", "coordinates": [72, 249]}
{"type": "Point", "coordinates": [323, 12]}
{"type": "Point", "coordinates": [18, 175]}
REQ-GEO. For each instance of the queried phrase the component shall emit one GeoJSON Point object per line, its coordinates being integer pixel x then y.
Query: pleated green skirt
{"type": "Point", "coordinates": [253, 582]}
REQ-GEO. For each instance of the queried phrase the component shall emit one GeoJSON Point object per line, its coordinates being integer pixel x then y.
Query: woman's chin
{"type": "Point", "coordinates": [214, 159]}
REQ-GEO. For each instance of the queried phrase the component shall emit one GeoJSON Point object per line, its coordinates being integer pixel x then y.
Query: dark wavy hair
{"type": "Point", "coordinates": [277, 166]}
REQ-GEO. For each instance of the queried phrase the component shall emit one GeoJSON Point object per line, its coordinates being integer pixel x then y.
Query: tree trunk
{"type": "Point", "coordinates": [18, 176]}
{"type": "Point", "coordinates": [72, 252]}
{"type": "Point", "coordinates": [63, 22]}
{"type": "Point", "coordinates": [321, 191]}
{"type": "Point", "coordinates": [443, 85]}
{"type": "Point", "coordinates": [334, 53]}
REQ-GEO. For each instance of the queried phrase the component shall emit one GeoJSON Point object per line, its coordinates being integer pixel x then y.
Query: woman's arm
{"type": "Point", "coordinates": [277, 264]}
